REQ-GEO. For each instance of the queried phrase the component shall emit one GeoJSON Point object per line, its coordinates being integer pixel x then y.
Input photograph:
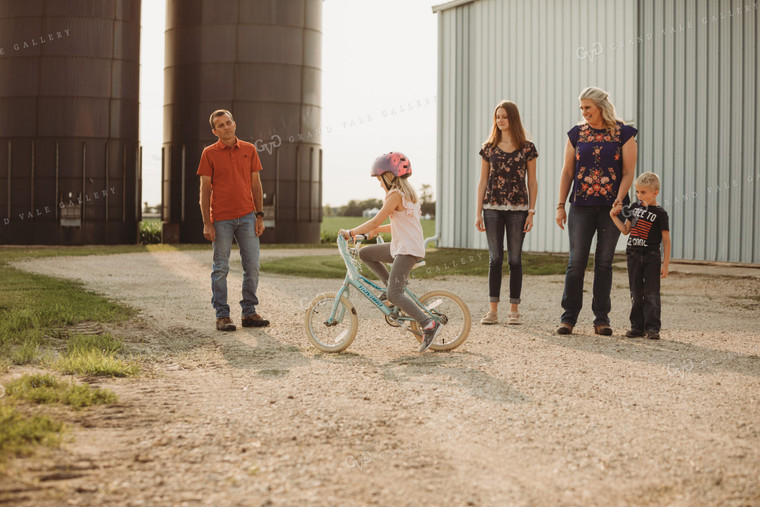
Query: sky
{"type": "Point", "coordinates": [379, 82]}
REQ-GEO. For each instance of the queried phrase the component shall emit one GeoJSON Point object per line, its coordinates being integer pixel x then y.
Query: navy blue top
{"type": "Point", "coordinates": [599, 164]}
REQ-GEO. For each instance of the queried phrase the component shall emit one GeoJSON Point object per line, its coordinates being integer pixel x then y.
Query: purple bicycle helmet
{"type": "Point", "coordinates": [393, 162]}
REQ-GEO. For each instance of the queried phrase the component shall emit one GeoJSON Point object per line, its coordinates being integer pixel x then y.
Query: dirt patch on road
{"type": "Point", "coordinates": [517, 415]}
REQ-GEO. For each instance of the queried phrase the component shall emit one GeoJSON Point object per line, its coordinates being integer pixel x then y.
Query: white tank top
{"type": "Point", "coordinates": [406, 230]}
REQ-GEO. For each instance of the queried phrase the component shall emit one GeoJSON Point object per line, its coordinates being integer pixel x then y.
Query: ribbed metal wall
{"type": "Point", "coordinates": [69, 91]}
{"type": "Point", "coordinates": [526, 52]}
{"type": "Point", "coordinates": [260, 59]}
{"type": "Point", "coordinates": [685, 73]}
{"type": "Point", "coordinates": [699, 111]}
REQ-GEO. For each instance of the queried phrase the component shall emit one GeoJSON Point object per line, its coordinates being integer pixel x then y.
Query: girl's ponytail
{"type": "Point", "coordinates": [391, 182]}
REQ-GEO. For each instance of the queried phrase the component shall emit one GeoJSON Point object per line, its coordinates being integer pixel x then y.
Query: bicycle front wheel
{"type": "Point", "coordinates": [450, 310]}
{"type": "Point", "coordinates": [335, 335]}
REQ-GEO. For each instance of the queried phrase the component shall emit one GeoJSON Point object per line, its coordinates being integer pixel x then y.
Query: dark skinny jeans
{"type": "Point", "coordinates": [496, 223]}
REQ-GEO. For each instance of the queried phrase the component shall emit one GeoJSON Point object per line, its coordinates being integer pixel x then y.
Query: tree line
{"type": "Point", "coordinates": [355, 208]}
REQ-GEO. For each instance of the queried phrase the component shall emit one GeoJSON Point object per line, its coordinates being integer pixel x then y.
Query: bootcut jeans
{"type": "Point", "coordinates": [583, 222]}
{"type": "Point", "coordinates": [243, 229]}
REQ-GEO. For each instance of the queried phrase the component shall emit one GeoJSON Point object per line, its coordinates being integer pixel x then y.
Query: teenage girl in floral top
{"type": "Point", "coordinates": [506, 203]}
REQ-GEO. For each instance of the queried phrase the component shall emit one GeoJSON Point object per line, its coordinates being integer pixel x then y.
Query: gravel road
{"type": "Point", "coordinates": [515, 416]}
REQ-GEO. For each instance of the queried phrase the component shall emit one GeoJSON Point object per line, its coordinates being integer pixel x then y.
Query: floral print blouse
{"type": "Point", "coordinates": [506, 188]}
{"type": "Point", "coordinates": [599, 163]}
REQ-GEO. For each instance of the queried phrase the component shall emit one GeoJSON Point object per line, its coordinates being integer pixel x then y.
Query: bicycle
{"type": "Point", "coordinates": [332, 323]}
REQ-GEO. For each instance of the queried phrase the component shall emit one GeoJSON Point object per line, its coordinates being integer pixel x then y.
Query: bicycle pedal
{"type": "Point", "coordinates": [409, 329]}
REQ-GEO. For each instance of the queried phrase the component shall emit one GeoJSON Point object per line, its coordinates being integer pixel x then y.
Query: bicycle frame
{"type": "Point", "coordinates": [356, 280]}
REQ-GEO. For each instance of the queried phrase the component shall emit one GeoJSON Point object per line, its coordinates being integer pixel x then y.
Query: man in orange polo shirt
{"type": "Point", "coordinates": [231, 204]}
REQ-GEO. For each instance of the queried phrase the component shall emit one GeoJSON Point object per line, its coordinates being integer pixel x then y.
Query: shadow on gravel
{"type": "Point", "coordinates": [678, 358]}
{"type": "Point", "coordinates": [268, 355]}
{"type": "Point", "coordinates": [443, 373]}
{"type": "Point", "coordinates": [445, 369]}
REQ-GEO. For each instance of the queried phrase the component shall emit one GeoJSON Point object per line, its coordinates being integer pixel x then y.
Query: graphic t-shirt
{"type": "Point", "coordinates": [647, 224]}
{"type": "Point", "coordinates": [506, 188]}
{"type": "Point", "coordinates": [599, 163]}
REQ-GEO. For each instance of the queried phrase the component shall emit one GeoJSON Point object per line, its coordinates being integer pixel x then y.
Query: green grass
{"type": "Point", "coordinates": [95, 355]}
{"type": "Point", "coordinates": [42, 389]}
{"type": "Point", "coordinates": [13, 253]}
{"type": "Point", "coordinates": [19, 434]}
{"type": "Point", "coordinates": [150, 231]}
{"type": "Point", "coordinates": [439, 262]}
{"type": "Point", "coordinates": [331, 225]}
{"type": "Point", "coordinates": [82, 343]}
{"type": "Point", "coordinates": [96, 362]}
{"type": "Point", "coordinates": [32, 306]}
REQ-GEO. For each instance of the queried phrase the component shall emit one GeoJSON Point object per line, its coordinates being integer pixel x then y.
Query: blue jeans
{"type": "Point", "coordinates": [582, 223]}
{"type": "Point", "coordinates": [496, 222]}
{"type": "Point", "coordinates": [644, 281]}
{"type": "Point", "coordinates": [244, 231]}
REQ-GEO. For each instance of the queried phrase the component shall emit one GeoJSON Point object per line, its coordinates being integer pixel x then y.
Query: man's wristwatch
{"type": "Point", "coordinates": [260, 214]}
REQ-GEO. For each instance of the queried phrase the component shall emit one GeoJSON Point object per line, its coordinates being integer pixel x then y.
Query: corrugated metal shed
{"type": "Point", "coordinates": [698, 105]}
{"type": "Point", "coordinates": [691, 90]}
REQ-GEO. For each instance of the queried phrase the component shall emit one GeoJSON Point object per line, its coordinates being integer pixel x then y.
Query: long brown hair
{"type": "Point", "coordinates": [515, 126]}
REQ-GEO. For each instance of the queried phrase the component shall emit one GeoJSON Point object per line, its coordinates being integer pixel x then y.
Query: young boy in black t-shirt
{"type": "Point", "coordinates": [648, 226]}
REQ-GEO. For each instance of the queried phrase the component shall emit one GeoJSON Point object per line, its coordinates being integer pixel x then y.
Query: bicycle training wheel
{"type": "Point", "coordinates": [453, 312]}
{"type": "Point", "coordinates": [339, 334]}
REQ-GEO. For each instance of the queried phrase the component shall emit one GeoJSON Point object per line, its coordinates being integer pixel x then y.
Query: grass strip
{"type": "Point", "coordinates": [439, 262]}
{"type": "Point", "coordinates": [19, 434]}
{"type": "Point", "coordinates": [95, 355]}
{"type": "Point", "coordinates": [43, 389]}
{"type": "Point", "coordinates": [32, 306]}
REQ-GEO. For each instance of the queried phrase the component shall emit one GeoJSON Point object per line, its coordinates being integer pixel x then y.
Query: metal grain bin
{"type": "Point", "coordinates": [69, 84]}
{"type": "Point", "coordinates": [260, 59]}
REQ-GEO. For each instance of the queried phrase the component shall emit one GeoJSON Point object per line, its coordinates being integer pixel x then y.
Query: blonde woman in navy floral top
{"type": "Point", "coordinates": [506, 202]}
{"type": "Point", "coordinates": [600, 161]}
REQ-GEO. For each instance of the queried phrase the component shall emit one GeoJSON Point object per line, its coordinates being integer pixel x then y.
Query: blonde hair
{"type": "Point", "coordinates": [392, 182]}
{"type": "Point", "coordinates": [515, 126]}
{"type": "Point", "coordinates": [648, 179]}
{"type": "Point", "coordinates": [600, 98]}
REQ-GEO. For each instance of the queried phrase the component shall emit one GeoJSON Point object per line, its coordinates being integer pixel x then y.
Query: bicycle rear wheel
{"type": "Point", "coordinates": [337, 335]}
{"type": "Point", "coordinates": [450, 310]}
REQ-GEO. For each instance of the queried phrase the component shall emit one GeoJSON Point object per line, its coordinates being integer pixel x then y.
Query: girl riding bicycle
{"type": "Point", "coordinates": [407, 245]}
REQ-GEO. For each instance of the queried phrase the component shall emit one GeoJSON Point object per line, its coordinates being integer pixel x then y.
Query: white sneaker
{"type": "Point", "coordinates": [490, 318]}
{"type": "Point", "coordinates": [514, 318]}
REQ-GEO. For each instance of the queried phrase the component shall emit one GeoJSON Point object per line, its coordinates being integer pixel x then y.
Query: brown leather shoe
{"type": "Point", "coordinates": [603, 329]}
{"type": "Point", "coordinates": [225, 324]}
{"type": "Point", "coordinates": [565, 328]}
{"type": "Point", "coordinates": [255, 320]}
